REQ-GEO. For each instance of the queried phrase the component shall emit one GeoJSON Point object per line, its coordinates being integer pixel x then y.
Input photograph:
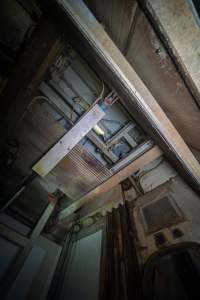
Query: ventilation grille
{"type": "Point", "coordinates": [159, 214]}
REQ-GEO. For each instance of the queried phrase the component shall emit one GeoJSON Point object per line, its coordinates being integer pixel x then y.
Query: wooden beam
{"type": "Point", "coordinates": [69, 141]}
{"type": "Point", "coordinates": [132, 91]}
{"type": "Point", "coordinates": [114, 180]}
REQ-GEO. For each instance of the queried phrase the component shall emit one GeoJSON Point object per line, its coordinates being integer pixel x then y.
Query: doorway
{"type": "Point", "coordinates": [173, 273]}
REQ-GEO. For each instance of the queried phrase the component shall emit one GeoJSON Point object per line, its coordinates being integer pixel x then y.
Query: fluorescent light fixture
{"type": "Point", "coordinates": [98, 130]}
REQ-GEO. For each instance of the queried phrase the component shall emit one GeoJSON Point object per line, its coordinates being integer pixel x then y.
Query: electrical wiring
{"type": "Point", "coordinates": [148, 171]}
{"type": "Point", "coordinates": [31, 103]}
{"type": "Point", "coordinates": [100, 97]}
{"type": "Point", "coordinates": [59, 66]}
{"type": "Point", "coordinates": [138, 177]}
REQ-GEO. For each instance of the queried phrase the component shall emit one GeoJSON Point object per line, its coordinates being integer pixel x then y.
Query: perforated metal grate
{"type": "Point", "coordinates": [159, 214]}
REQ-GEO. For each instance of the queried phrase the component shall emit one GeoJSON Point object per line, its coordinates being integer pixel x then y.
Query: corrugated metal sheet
{"type": "Point", "coordinates": [88, 164]}
{"type": "Point", "coordinates": [78, 173]}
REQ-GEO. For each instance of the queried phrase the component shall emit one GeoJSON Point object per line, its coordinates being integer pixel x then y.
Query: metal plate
{"type": "Point", "coordinates": [159, 214]}
{"type": "Point", "coordinates": [68, 141]}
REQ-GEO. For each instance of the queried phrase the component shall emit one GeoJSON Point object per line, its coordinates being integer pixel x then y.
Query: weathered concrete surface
{"type": "Point", "coordinates": [155, 174]}
{"type": "Point", "coordinates": [179, 27]}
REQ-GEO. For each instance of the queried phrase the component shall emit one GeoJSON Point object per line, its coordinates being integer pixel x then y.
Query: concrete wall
{"type": "Point", "coordinates": [155, 174]}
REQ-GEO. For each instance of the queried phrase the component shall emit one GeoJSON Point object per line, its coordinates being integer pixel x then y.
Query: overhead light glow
{"type": "Point", "coordinates": [98, 130]}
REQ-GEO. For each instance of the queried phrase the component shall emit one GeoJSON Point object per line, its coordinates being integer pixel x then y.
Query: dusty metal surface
{"type": "Point", "coordinates": [137, 95]}
{"type": "Point", "coordinates": [68, 141]}
{"type": "Point", "coordinates": [159, 214]}
{"type": "Point", "coordinates": [78, 173]}
{"type": "Point", "coordinates": [123, 133]}
{"type": "Point", "coordinates": [139, 151]}
{"type": "Point", "coordinates": [181, 31]}
{"type": "Point", "coordinates": [152, 62]}
{"type": "Point", "coordinates": [56, 101]}
{"type": "Point", "coordinates": [146, 53]}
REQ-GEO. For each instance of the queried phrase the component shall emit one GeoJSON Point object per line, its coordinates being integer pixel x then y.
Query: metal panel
{"type": "Point", "coordinates": [27, 274]}
{"type": "Point", "coordinates": [122, 134]}
{"type": "Point", "coordinates": [85, 257]}
{"type": "Point", "coordinates": [40, 285]}
{"type": "Point", "coordinates": [159, 214]}
{"type": "Point", "coordinates": [91, 166]}
{"type": "Point", "coordinates": [70, 139]}
{"type": "Point", "coordinates": [78, 173]}
{"type": "Point", "coordinates": [141, 149]}
{"type": "Point", "coordinates": [8, 253]}
{"type": "Point", "coordinates": [102, 146]}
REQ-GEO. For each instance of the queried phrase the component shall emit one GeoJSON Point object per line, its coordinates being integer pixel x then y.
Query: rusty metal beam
{"type": "Point", "coordinates": [114, 180]}
{"type": "Point", "coordinates": [68, 141]}
{"type": "Point", "coordinates": [133, 92]}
